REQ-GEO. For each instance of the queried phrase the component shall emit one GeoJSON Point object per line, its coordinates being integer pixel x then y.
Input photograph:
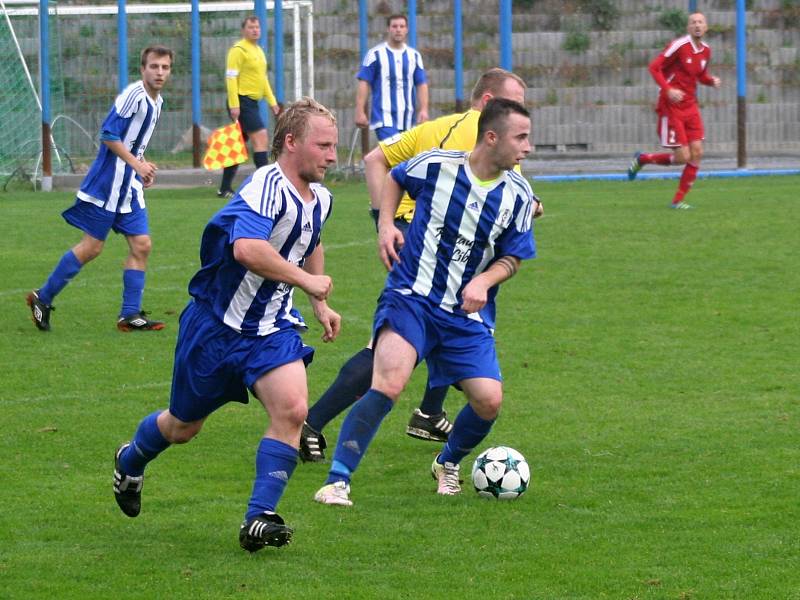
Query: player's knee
{"type": "Point", "coordinates": [296, 413]}
{"type": "Point", "coordinates": [488, 407]}
{"type": "Point", "coordinates": [697, 154]}
{"type": "Point", "coordinates": [142, 246]}
{"type": "Point", "coordinates": [88, 250]}
{"type": "Point", "coordinates": [389, 386]}
{"type": "Point", "coordinates": [179, 432]}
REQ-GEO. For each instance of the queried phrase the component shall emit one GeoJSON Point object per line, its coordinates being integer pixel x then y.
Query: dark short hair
{"type": "Point", "coordinates": [495, 115]}
{"type": "Point", "coordinates": [394, 17]}
{"type": "Point", "coordinates": [158, 51]}
{"type": "Point", "coordinates": [249, 18]}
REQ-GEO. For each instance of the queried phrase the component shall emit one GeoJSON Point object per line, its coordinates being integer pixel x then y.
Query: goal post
{"type": "Point", "coordinates": [84, 61]}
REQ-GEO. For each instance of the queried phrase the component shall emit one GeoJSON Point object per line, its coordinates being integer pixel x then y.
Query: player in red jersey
{"type": "Point", "coordinates": [677, 70]}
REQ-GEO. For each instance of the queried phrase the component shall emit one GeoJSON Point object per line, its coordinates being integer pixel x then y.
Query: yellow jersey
{"type": "Point", "coordinates": [246, 74]}
{"type": "Point", "coordinates": [452, 132]}
{"type": "Point", "coordinates": [458, 131]}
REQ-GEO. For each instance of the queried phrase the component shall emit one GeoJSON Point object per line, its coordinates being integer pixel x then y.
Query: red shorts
{"type": "Point", "coordinates": [679, 128]}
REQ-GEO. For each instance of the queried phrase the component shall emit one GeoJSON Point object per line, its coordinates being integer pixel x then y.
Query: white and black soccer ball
{"type": "Point", "coordinates": [501, 473]}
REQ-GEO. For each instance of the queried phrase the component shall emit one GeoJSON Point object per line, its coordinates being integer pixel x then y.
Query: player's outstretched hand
{"type": "Point", "coordinates": [318, 286]}
{"type": "Point", "coordinates": [330, 320]}
{"type": "Point", "coordinates": [390, 242]}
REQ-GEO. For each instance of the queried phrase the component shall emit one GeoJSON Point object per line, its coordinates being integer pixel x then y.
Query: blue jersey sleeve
{"type": "Point", "coordinates": [518, 239]}
{"type": "Point", "coordinates": [125, 107]}
{"type": "Point", "coordinates": [406, 179]}
{"type": "Point", "coordinates": [114, 127]}
{"type": "Point", "coordinates": [368, 70]}
{"type": "Point", "coordinates": [241, 221]}
{"type": "Point", "coordinates": [419, 72]}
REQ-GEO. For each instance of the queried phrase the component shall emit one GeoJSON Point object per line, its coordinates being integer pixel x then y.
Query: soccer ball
{"type": "Point", "coordinates": [501, 473]}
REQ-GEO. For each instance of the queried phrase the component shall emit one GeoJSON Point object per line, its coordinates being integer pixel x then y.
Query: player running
{"type": "Point", "coordinates": [472, 227]}
{"type": "Point", "coordinates": [240, 330]}
{"type": "Point", "coordinates": [677, 70]}
{"type": "Point", "coordinates": [111, 198]}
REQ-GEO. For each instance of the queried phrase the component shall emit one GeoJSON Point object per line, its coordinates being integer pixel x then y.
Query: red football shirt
{"type": "Point", "coordinates": [681, 65]}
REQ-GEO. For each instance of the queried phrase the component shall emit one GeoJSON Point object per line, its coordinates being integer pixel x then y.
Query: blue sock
{"type": "Point", "coordinates": [351, 383]}
{"type": "Point", "coordinates": [132, 292]}
{"type": "Point", "coordinates": [469, 430]}
{"type": "Point", "coordinates": [433, 400]}
{"type": "Point", "coordinates": [275, 463]}
{"type": "Point", "coordinates": [358, 428]}
{"type": "Point", "coordinates": [146, 444]}
{"type": "Point", "coordinates": [65, 270]}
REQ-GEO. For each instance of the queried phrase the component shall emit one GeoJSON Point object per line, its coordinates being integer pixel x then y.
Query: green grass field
{"type": "Point", "coordinates": [652, 382]}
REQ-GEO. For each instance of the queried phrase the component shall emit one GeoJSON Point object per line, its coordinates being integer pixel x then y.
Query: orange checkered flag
{"type": "Point", "coordinates": [226, 148]}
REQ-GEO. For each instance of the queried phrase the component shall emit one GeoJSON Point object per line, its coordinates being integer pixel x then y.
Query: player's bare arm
{"type": "Point", "coordinates": [362, 92]}
{"type": "Point", "coordinates": [390, 238]}
{"type": "Point", "coordinates": [475, 293]}
{"type": "Point", "coordinates": [262, 259]}
{"type": "Point", "coordinates": [145, 170]}
{"type": "Point", "coordinates": [330, 320]}
{"type": "Point", "coordinates": [422, 97]}
{"type": "Point", "coordinates": [376, 167]}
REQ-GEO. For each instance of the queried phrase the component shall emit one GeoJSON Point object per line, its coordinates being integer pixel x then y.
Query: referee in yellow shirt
{"type": "Point", "coordinates": [247, 83]}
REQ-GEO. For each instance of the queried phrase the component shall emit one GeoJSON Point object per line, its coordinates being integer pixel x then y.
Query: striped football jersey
{"type": "Point", "coordinates": [266, 207]}
{"type": "Point", "coordinates": [393, 76]}
{"type": "Point", "coordinates": [111, 183]}
{"type": "Point", "coordinates": [460, 227]}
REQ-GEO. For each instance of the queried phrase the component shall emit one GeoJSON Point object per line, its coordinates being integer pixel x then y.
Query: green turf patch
{"type": "Point", "coordinates": [651, 365]}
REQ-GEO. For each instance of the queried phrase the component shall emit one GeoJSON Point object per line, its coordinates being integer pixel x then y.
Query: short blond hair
{"type": "Point", "coordinates": [294, 120]}
{"type": "Point", "coordinates": [492, 81]}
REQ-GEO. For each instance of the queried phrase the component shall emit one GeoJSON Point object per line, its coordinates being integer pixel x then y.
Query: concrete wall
{"type": "Point", "coordinates": [599, 100]}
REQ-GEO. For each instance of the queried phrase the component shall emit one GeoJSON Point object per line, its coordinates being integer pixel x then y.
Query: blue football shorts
{"type": "Point", "coordinates": [383, 133]}
{"type": "Point", "coordinates": [215, 365]}
{"type": "Point", "coordinates": [97, 221]}
{"type": "Point", "coordinates": [453, 346]}
{"type": "Point", "coordinates": [250, 115]}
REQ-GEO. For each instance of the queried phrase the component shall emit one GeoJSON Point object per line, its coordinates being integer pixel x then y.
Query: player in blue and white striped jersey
{"type": "Point", "coordinates": [471, 229]}
{"type": "Point", "coordinates": [394, 75]}
{"type": "Point", "coordinates": [111, 197]}
{"type": "Point", "coordinates": [456, 238]}
{"type": "Point", "coordinates": [240, 330]}
{"type": "Point", "coordinates": [267, 205]}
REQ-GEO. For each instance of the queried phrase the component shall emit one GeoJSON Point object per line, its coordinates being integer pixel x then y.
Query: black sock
{"type": "Point", "coordinates": [351, 383]}
{"type": "Point", "coordinates": [228, 173]}
{"type": "Point", "coordinates": [433, 400]}
{"type": "Point", "coordinates": [260, 159]}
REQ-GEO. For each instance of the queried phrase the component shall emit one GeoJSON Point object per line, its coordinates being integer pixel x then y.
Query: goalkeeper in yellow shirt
{"type": "Point", "coordinates": [246, 83]}
{"type": "Point", "coordinates": [452, 132]}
